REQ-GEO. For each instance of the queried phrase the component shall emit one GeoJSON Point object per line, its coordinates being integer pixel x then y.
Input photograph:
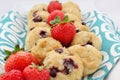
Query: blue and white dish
{"type": "Point", "coordinates": [13, 31]}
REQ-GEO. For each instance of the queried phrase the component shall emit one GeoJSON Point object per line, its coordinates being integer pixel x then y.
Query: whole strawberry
{"type": "Point", "coordinates": [33, 73]}
{"type": "Point", "coordinates": [54, 5]}
{"type": "Point", "coordinates": [64, 32]}
{"type": "Point", "coordinates": [12, 75]}
{"type": "Point", "coordinates": [2, 76]}
{"type": "Point", "coordinates": [57, 13]}
{"type": "Point", "coordinates": [18, 59]}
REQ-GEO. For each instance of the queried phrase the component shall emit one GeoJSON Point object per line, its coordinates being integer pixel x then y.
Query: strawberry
{"type": "Point", "coordinates": [64, 31]}
{"type": "Point", "coordinates": [12, 75]}
{"type": "Point", "coordinates": [2, 76]}
{"type": "Point", "coordinates": [18, 59]}
{"type": "Point", "coordinates": [45, 74]}
{"type": "Point", "coordinates": [33, 73]}
{"type": "Point", "coordinates": [54, 5]}
{"type": "Point", "coordinates": [54, 14]}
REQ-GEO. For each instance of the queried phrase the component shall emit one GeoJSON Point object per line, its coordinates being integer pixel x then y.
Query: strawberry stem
{"type": "Point", "coordinates": [57, 20]}
{"type": "Point", "coordinates": [65, 19]}
{"type": "Point", "coordinates": [8, 53]}
{"type": "Point", "coordinates": [16, 49]}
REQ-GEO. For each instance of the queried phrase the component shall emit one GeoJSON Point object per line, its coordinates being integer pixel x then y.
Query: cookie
{"type": "Point", "coordinates": [69, 4]}
{"type": "Point", "coordinates": [44, 45]}
{"type": "Point", "coordinates": [63, 66]}
{"type": "Point", "coordinates": [73, 10]}
{"type": "Point", "coordinates": [33, 25]}
{"type": "Point", "coordinates": [37, 16]}
{"type": "Point", "coordinates": [40, 7]}
{"type": "Point", "coordinates": [84, 38]}
{"type": "Point", "coordinates": [80, 27]}
{"type": "Point", "coordinates": [84, 28]}
{"type": "Point", "coordinates": [72, 17]}
{"type": "Point", "coordinates": [35, 34]}
{"type": "Point", "coordinates": [37, 8]}
{"type": "Point", "coordinates": [77, 22]}
{"type": "Point", "coordinates": [89, 55]}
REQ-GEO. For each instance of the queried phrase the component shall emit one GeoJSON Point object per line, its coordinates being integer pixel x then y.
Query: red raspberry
{"type": "Point", "coordinates": [31, 73]}
{"type": "Point", "coordinates": [55, 14]}
{"type": "Point", "coordinates": [64, 33]}
{"type": "Point", "coordinates": [54, 5]}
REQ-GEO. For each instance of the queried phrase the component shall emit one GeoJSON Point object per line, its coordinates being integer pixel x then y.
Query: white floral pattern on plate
{"type": "Point", "coordinates": [13, 31]}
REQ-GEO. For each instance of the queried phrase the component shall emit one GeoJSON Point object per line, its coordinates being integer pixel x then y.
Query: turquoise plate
{"type": "Point", "coordinates": [13, 31]}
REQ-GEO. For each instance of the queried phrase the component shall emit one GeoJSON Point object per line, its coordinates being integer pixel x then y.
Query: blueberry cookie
{"type": "Point", "coordinates": [84, 28]}
{"type": "Point", "coordinates": [44, 45]}
{"type": "Point", "coordinates": [40, 7]}
{"type": "Point", "coordinates": [33, 25]}
{"type": "Point", "coordinates": [62, 66]}
{"type": "Point", "coordinates": [70, 7]}
{"type": "Point", "coordinates": [37, 19]}
{"type": "Point", "coordinates": [69, 4]}
{"type": "Point", "coordinates": [35, 34]}
{"type": "Point", "coordinates": [84, 38]}
{"type": "Point", "coordinates": [77, 22]}
{"type": "Point", "coordinates": [89, 55]}
{"type": "Point", "coordinates": [73, 11]}
{"type": "Point", "coordinates": [35, 9]}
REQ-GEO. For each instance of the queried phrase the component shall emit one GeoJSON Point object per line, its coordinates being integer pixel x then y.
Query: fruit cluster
{"type": "Point", "coordinates": [62, 29]}
{"type": "Point", "coordinates": [21, 65]}
{"type": "Point", "coordinates": [52, 30]}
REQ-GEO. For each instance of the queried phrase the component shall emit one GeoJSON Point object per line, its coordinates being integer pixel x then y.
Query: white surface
{"type": "Point", "coordinates": [111, 7]}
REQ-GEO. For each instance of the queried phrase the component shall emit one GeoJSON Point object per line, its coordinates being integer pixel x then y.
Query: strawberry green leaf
{"type": "Point", "coordinates": [56, 20]}
{"type": "Point", "coordinates": [66, 18]}
{"type": "Point", "coordinates": [8, 53]}
{"type": "Point", "coordinates": [16, 49]}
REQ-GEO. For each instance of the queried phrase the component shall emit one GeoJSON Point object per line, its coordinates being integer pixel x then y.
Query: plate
{"type": "Point", "coordinates": [13, 31]}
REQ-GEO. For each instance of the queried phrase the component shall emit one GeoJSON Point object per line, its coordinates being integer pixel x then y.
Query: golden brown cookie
{"type": "Point", "coordinates": [62, 66]}
{"type": "Point", "coordinates": [35, 9]}
{"type": "Point", "coordinates": [40, 7]}
{"type": "Point", "coordinates": [35, 34]}
{"type": "Point", "coordinates": [69, 4]}
{"type": "Point", "coordinates": [84, 38]}
{"type": "Point", "coordinates": [37, 18]}
{"type": "Point", "coordinates": [77, 22]}
{"type": "Point", "coordinates": [89, 55]}
{"type": "Point", "coordinates": [74, 11]}
{"type": "Point", "coordinates": [43, 46]}
{"type": "Point", "coordinates": [33, 25]}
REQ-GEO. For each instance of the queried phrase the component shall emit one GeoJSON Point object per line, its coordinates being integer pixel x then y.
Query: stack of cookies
{"type": "Point", "coordinates": [79, 58]}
